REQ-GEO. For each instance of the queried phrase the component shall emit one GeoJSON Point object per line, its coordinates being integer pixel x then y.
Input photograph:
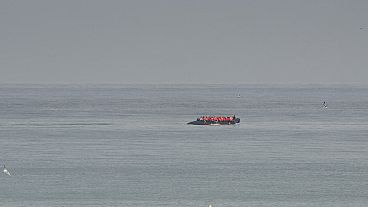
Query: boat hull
{"type": "Point", "coordinates": [202, 122]}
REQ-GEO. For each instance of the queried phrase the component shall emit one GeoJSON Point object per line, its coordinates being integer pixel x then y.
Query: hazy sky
{"type": "Point", "coordinates": [186, 41]}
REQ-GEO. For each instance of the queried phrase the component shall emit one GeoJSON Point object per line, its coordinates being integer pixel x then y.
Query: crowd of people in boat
{"type": "Point", "coordinates": [216, 118]}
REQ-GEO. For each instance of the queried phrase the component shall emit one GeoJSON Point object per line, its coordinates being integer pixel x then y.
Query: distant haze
{"type": "Point", "coordinates": [191, 41]}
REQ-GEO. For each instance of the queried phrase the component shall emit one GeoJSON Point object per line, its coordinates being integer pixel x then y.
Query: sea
{"type": "Point", "coordinates": [130, 145]}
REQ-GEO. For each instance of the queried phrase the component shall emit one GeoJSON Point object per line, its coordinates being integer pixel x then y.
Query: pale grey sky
{"type": "Point", "coordinates": [183, 41]}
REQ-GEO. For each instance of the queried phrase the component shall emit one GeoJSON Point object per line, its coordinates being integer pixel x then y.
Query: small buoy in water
{"type": "Point", "coordinates": [6, 171]}
{"type": "Point", "coordinates": [325, 104]}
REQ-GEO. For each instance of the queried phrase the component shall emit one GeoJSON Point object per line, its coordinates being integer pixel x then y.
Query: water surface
{"type": "Point", "coordinates": [129, 145]}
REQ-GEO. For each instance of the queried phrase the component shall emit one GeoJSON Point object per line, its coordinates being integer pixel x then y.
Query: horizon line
{"type": "Point", "coordinates": [182, 83]}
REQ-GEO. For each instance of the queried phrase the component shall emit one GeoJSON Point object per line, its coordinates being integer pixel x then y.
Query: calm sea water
{"type": "Point", "coordinates": [129, 145]}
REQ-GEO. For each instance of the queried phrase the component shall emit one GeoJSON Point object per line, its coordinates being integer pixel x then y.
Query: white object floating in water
{"type": "Point", "coordinates": [325, 104]}
{"type": "Point", "coordinates": [6, 171]}
{"type": "Point", "coordinates": [210, 205]}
